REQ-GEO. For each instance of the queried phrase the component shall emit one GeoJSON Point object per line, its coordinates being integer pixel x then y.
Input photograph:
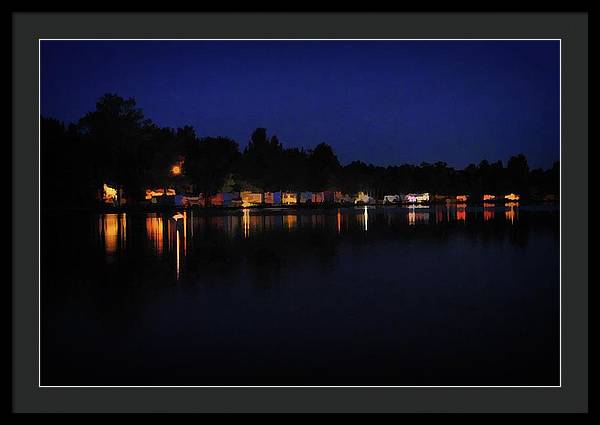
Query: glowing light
{"type": "Point", "coordinates": [366, 218]}
{"type": "Point", "coordinates": [177, 253]}
{"type": "Point", "coordinates": [154, 232]}
{"type": "Point", "coordinates": [184, 232]}
{"type": "Point", "coordinates": [339, 221]}
{"type": "Point", "coordinates": [512, 212]}
{"type": "Point", "coordinates": [461, 198]}
{"type": "Point", "coordinates": [488, 212]}
{"type": "Point", "coordinates": [416, 198]}
{"type": "Point", "coordinates": [246, 222]}
{"type": "Point", "coordinates": [461, 212]}
{"type": "Point", "coordinates": [110, 232]}
{"type": "Point", "coordinates": [489, 197]}
{"type": "Point", "coordinates": [251, 198]}
{"type": "Point", "coordinates": [109, 194]}
{"type": "Point", "coordinates": [512, 197]}
{"type": "Point", "coordinates": [150, 193]}
{"type": "Point", "coordinates": [289, 221]}
{"type": "Point", "coordinates": [289, 198]}
{"type": "Point", "coordinates": [176, 169]}
{"type": "Point", "coordinates": [412, 217]}
{"type": "Point", "coordinates": [123, 229]}
{"type": "Point", "coordinates": [364, 198]}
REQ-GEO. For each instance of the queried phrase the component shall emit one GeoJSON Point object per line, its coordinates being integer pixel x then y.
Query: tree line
{"type": "Point", "coordinates": [116, 144]}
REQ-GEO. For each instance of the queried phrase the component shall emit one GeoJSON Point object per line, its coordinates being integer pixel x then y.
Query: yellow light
{"type": "Point", "coordinates": [250, 199]}
{"type": "Point", "coordinates": [150, 193]}
{"type": "Point", "coordinates": [289, 221]}
{"type": "Point", "coordinates": [109, 194]}
{"type": "Point", "coordinates": [154, 231]}
{"type": "Point", "coordinates": [512, 197]}
{"type": "Point", "coordinates": [512, 212]}
{"type": "Point", "coordinates": [288, 198]}
{"type": "Point", "coordinates": [246, 222]}
{"type": "Point", "coordinates": [177, 231]}
{"type": "Point", "coordinates": [176, 170]}
{"type": "Point", "coordinates": [110, 230]}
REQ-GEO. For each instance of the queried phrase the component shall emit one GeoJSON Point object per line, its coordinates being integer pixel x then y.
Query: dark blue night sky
{"type": "Point", "coordinates": [384, 102]}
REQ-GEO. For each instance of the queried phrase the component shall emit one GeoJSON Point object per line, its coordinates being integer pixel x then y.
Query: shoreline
{"type": "Point", "coordinates": [267, 207]}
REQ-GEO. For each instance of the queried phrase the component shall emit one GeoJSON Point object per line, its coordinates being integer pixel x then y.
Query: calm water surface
{"type": "Point", "coordinates": [350, 296]}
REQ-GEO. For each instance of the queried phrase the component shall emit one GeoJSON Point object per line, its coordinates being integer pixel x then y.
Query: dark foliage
{"type": "Point", "coordinates": [117, 145]}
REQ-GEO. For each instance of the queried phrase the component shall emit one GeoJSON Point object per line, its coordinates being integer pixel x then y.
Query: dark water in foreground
{"type": "Point", "coordinates": [385, 296]}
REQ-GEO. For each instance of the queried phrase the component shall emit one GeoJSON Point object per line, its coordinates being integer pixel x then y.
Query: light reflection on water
{"type": "Point", "coordinates": [512, 211]}
{"type": "Point", "coordinates": [246, 222]}
{"type": "Point", "coordinates": [489, 211]}
{"type": "Point", "coordinates": [154, 232]}
{"type": "Point", "coordinates": [461, 212]}
{"type": "Point", "coordinates": [165, 234]}
{"type": "Point", "coordinates": [198, 291]}
{"type": "Point", "coordinates": [112, 229]}
{"type": "Point", "coordinates": [418, 215]}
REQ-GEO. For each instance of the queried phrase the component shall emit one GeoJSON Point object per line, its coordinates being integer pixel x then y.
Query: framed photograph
{"type": "Point", "coordinates": [300, 212]}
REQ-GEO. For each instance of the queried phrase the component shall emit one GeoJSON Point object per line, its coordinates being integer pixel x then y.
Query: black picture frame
{"type": "Point", "coordinates": [570, 28]}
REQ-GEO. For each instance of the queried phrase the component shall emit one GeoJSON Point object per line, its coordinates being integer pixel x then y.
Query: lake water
{"type": "Point", "coordinates": [349, 296]}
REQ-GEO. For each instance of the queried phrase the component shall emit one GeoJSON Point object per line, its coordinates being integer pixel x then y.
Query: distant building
{"type": "Point", "coordinates": [217, 200]}
{"type": "Point", "coordinates": [251, 198]}
{"type": "Point", "coordinates": [363, 198]}
{"type": "Point", "coordinates": [289, 198]}
{"type": "Point", "coordinates": [317, 197]}
{"type": "Point", "coordinates": [109, 194]}
{"type": "Point", "coordinates": [416, 198]}
{"type": "Point", "coordinates": [153, 193]}
{"type": "Point", "coordinates": [329, 197]}
{"type": "Point", "coordinates": [305, 197]}
{"type": "Point", "coordinates": [272, 198]}
{"type": "Point", "coordinates": [343, 198]}
{"type": "Point", "coordinates": [189, 201]}
{"type": "Point", "coordinates": [391, 199]}
{"type": "Point", "coordinates": [229, 197]}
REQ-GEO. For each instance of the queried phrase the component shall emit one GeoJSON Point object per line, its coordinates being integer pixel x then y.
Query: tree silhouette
{"type": "Point", "coordinates": [117, 145]}
{"type": "Point", "coordinates": [114, 132]}
{"type": "Point", "coordinates": [209, 163]}
{"type": "Point", "coordinates": [324, 168]}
